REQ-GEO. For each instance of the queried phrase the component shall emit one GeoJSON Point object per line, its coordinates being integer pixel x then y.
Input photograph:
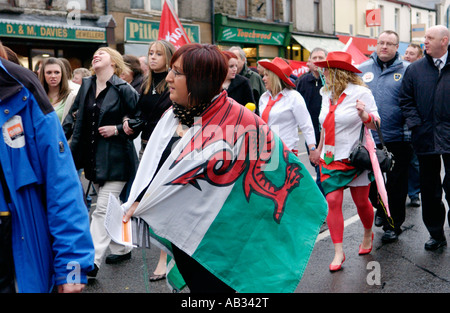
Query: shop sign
{"type": "Point", "coordinates": [242, 35]}
{"type": "Point", "coordinates": [418, 30]}
{"type": "Point", "coordinates": [144, 31]}
{"type": "Point", "coordinates": [373, 17]}
{"type": "Point", "coordinates": [18, 30]}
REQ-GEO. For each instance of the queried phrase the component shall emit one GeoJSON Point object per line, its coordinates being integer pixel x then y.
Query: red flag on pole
{"type": "Point", "coordinates": [170, 28]}
{"type": "Point", "coordinates": [357, 56]}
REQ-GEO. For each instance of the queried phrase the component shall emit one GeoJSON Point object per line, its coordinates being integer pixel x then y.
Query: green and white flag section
{"type": "Point", "coordinates": [233, 197]}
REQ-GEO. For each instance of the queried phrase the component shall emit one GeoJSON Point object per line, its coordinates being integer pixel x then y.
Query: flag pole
{"type": "Point", "coordinates": [177, 20]}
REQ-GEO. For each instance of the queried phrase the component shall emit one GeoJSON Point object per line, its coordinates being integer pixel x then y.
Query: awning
{"type": "Point", "coordinates": [328, 44]}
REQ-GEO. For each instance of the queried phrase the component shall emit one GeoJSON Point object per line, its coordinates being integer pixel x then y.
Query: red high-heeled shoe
{"type": "Point", "coordinates": [335, 268]}
{"type": "Point", "coordinates": [366, 251]}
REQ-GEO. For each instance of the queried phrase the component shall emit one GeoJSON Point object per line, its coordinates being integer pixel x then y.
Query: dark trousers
{"type": "Point", "coordinates": [433, 209]}
{"type": "Point", "coordinates": [6, 256]}
{"type": "Point", "coordinates": [396, 184]}
{"type": "Point", "coordinates": [198, 278]}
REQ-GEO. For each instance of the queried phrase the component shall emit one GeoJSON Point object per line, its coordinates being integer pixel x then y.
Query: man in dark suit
{"type": "Point", "coordinates": [425, 104]}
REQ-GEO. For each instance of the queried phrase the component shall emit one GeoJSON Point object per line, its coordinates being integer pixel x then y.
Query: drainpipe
{"type": "Point", "coordinates": [106, 7]}
{"type": "Point", "coordinates": [213, 27]}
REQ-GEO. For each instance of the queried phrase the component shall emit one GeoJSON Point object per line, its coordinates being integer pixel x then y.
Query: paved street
{"type": "Point", "coordinates": [401, 267]}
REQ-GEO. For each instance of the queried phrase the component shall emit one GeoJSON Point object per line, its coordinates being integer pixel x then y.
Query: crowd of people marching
{"type": "Point", "coordinates": [102, 110]}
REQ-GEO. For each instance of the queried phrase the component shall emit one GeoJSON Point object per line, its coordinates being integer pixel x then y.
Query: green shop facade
{"type": "Point", "coordinates": [259, 40]}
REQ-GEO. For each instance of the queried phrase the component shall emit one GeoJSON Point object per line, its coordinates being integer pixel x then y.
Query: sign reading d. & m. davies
{"type": "Point", "coordinates": [51, 32]}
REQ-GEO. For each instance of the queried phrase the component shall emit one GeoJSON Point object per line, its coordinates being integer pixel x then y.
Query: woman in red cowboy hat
{"type": "Point", "coordinates": [346, 104]}
{"type": "Point", "coordinates": [283, 108]}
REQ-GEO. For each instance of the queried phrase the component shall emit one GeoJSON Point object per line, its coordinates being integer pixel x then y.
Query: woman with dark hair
{"type": "Point", "coordinates": [206, 182]}
{"type": "Point", "coordinates": [53, 77]}
{"type": "Point", "coordinates": [237, 86]}
{"type": "Point", "coordinates": [133, 75]}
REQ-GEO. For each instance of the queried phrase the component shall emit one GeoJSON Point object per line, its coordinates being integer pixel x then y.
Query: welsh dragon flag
{"type": "Point", "coordinates": [233, 197]}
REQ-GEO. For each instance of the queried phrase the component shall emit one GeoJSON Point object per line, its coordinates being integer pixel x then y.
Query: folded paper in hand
{"type": "Point", "coordinates": [134, 233]}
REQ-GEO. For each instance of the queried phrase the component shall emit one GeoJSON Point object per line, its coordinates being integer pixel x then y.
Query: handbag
{"type": "Point", "coordinates": [136, 124]}
{"type": "Point", "coordinates": [360, 157]}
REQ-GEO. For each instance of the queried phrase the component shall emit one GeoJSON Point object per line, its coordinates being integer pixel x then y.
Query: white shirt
{"type": "Point", "coordinates": [287, 115]}
{"type": "Point", "coordinates": [347, 121]}
{"type": "Point", "coordinates": [443, 59]}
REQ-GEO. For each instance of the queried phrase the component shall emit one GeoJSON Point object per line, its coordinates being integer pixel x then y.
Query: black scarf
{"type": "Point", "coordinates": [187, 115]}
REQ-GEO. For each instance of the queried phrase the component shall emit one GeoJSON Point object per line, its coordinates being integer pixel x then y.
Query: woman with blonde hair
{"type": "Point", "coordinates": [346, 104]}
{"type": "Point", "coordinates": [283, 108]}
{"type": "Point", "coordinates": [53, 77]}
{"type": "Point", "coordinates": [99, 143]}
{"type": "Point", "coordinates": [153, 102]}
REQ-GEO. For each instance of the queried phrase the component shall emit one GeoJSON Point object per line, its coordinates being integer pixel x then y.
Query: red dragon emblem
{"type": "Point", "coordinates": [242, 151]}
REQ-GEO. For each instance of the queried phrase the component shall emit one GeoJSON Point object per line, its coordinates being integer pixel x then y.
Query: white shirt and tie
{"type": "Point", "coordinates": [440, 62]}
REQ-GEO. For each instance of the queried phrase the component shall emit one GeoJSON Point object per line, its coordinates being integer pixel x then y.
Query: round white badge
{"type": "Point", "coordinates": [368, 77]}
{"type": "Point", "coordinates": [13, 133]}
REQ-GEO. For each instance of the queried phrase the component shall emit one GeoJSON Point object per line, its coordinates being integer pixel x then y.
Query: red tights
{"type": "Point", "coordinates": [335, 218]}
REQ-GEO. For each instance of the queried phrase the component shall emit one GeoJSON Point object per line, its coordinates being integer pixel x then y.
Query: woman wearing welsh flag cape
{"type": "Point", "coordinates": [237, 208]}
{"type": "Point", "coordinates": [346, 104]}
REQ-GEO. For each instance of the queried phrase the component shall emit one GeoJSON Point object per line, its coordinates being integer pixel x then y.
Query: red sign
{"type": "Point", "coordinates": [373, 17]}
{"type": "Point", "coordinates": [170, 28]}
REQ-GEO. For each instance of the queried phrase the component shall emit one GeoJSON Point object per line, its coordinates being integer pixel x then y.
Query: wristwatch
{"type": "Point", "coordinates": [312, 149]}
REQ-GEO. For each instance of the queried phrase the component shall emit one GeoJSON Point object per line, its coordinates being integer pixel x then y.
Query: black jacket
{"type": "Point", "coordinates": [241, 91]}
{"type": "Point", "coordinates": [115, 157]}
{"type": "Point", "coordinates": [309, 87]}
{"type": "Point", "coordinates": [425, 104]}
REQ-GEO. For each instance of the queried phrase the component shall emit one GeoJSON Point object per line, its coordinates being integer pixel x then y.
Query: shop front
{"type": "Point", "coordinates": [259, 40]}
{"type": "Point", "coordinates": [303, 44]}
{"type": "Point", "coordinates": [138, 33]}
{"type": "Point", "coordinates": [33, 38]}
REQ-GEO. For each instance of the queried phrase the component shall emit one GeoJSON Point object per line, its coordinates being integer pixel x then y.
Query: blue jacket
{"type": "Point", "coordinates": [51, 240]}
{"type": "Point", "coordinates": [385, 86]}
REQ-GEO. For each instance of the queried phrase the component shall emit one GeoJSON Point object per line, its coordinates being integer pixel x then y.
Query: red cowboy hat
{"type": "Point", "coordinates": [280, 68]}
{"type": "Point", "coordinates": [338, 59]}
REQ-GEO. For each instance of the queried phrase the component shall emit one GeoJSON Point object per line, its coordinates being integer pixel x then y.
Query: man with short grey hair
{"type": "Point", "coordinates": [308, 85]}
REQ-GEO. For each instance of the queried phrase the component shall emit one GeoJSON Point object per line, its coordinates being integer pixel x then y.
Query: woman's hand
{"type": "Point", "coordinates": [108, 131]}
{"type": "Point", "coordinates": [71, 288]}
{"type": "Point", "coordinates": [127, 129]}
{"type": "Point", "coordinates": [361, 108]}
{"type": "Point", "coordinates": [130, 212]}
{"type": "Point", "coordinates": [314, 156]}
{"type": "Point", "coordinates": [367, 119]}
